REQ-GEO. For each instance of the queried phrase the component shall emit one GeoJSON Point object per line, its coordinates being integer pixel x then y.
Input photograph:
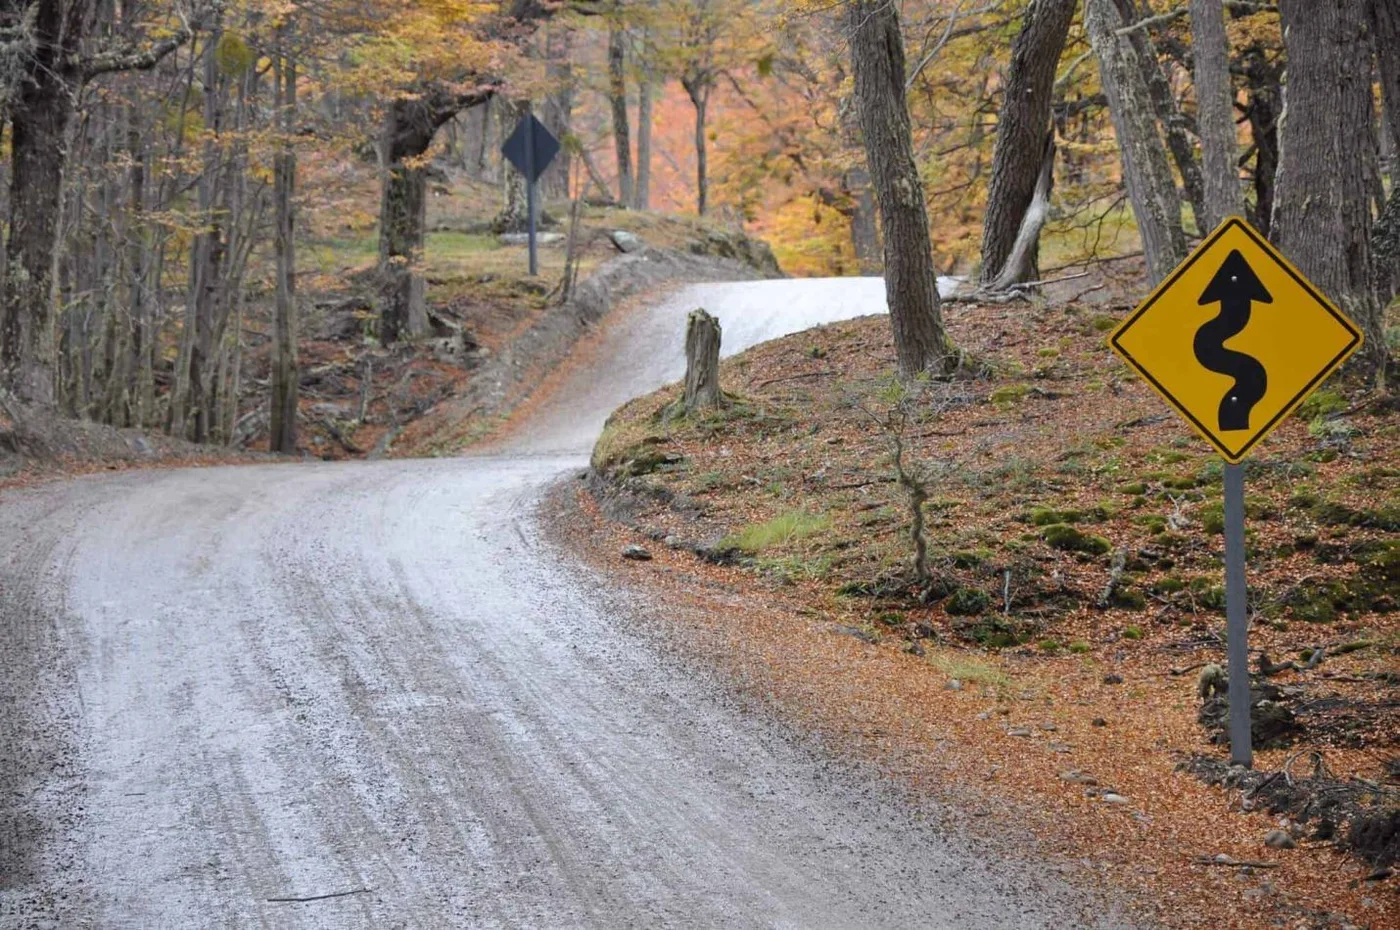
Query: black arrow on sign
{"type": "Point", "coordinates": [1236, 288]}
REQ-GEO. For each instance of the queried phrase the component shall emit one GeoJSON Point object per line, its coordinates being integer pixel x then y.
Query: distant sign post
{"type": "Point", "coordinates": [1285, 339]}
{"type": "Point", "coordinates": [530, 149]}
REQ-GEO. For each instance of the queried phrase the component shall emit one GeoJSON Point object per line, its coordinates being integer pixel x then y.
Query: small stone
{"type": "Point", "coordinates": [1061, 747]}
{"type": "Point", "coordinates": [953, 685]}
{"type": "Point", "coordinates": [1099, 722]}
{"type": "Point", "coordinates": [541, 238]}
{"type": "Point", "coordinates": [1112, 798]}
{"type": "Point", "coordinates": [1078, 777]}
{"type": "Point", "coordinates": [627, 242]}
{"type": "Point", "coordinates": [1112, 679]}
{"type": "Point", "coordinates": [1022, 732]}
{"type": "Point", "coordinates": [985, 715]}
{"type": "Point", "coordinates": [673, 542]}
{"type": "Point", "coordinates": [1049, 727]}
{"type": "Point", "coordinates": [636, 554]}
{"type": "Point", "coordinates": [1279, 839]}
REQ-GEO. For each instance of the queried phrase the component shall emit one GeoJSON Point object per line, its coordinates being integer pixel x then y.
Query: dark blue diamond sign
{"type": "Point", "coordinates": [531, 148]}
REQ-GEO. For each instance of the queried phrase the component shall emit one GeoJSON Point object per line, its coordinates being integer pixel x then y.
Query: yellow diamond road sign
{"type": "Point", "coordinates": [1235, 339]}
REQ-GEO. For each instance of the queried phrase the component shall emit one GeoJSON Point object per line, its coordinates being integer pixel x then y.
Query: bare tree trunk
{"type": "Point", "coordinates": [877, 53]}
{"type": "Point", "coordinates": [1021, 127]}
{"type": "Point", "coordinates": [558, 108]}
{"type": "Point", "coordinates": [1215, 101]}
{"type": "Point", "coordinates": [1175, 125]}
{"type": "Point", "coordinates": [1263, 106]}
{"type": "Point", "coordinates": [1385, 21]}
{"type": "Point", "coordinates": [39, 116]}
{"type": "Point", "coordinates": [1020, 265]}
{"type": "Point", "coordinates": [645, 104]}
{"type": "Point", "coordinates": [702, 154]}
{"type": "Point", "coordinates": [617, 99]}
{"type": "Point", "coordinates": [514, 215]}
{"type": "Point", "coordinates": [1322, 211]}
{"type": "Point", "coordinates": [285, 376]}
{"type": "Point", "coordinates": [702, 343]}
{"type": "Point", "coordinates": [1146, 173]}
{"type": "Point", "coordinates": [402, 218]}
{"type": "Point", "coordinates": [193, 365]}
{"type": "Point", "coordinates": [566, 290]}
{"type": "Point", "coordinates": [859, 207]}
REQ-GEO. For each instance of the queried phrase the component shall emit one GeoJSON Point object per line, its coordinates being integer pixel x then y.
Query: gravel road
{"type": "Point", "coordinates": [226, 691]}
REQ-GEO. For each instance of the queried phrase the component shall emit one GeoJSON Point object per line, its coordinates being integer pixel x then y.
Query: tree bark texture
{"type": "Point", "coordinates": [1263, 104]}
{"type": "Point", "coordinates": [1385, 24]}
{"type": "Point", "coordinates": [285, 375]}
{"type": "Point", "coordinates": [39, 114]}
{"type": "Point", "coordinates": [1022, 124]}
{"type": "Point", "coordinates": [617, 100]}
{"type": "Point", "coordinates": [1322, 209]}
{"type": "Point", "coordinates": [1175, 126]}
{"type": "Point", "coordinates": [1020, 266]}
{"type": "Point", "coordinates": [911, 284]}
{"type": "Point", "coordinates": [702, 343]}
{"type": "Point", "coordinates": [1146, 174]}
{"type": "Point", "coordinates": [1215, 103]}
{"type": "Point", "coordinates": [646, 104]}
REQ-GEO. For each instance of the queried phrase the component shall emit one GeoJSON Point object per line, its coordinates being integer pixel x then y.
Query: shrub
{"type": "Point", "coordinates": [968, 602]}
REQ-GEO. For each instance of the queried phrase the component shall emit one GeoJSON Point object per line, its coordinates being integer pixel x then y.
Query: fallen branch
{"type": "Point", "coordinates": [809, 374]}
{"type": "Point", "coordinates": [318, 897]}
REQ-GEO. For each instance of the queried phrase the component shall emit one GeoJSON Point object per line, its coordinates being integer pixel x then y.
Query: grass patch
{"type": "Point", "coordinates": [784, 529]}
{"type": "Point", "coordinates": [968, 669]}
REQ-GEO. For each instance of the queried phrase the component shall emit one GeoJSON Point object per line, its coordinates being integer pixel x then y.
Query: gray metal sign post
{"type": "Point", "coordinates": [1237, 618]}
{"type": "Point", "coordinates": [530, 199]}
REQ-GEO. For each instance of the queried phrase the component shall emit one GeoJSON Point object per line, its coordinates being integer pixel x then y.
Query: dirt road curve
{"type": "Point", "coordinates": [375, 686]}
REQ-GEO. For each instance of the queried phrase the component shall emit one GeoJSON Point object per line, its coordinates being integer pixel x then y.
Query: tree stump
{"type": "Point", "coordinates": [702, 338]}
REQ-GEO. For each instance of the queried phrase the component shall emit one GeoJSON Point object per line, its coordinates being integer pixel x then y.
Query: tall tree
{"type": "Point", "coordinates": [646, 104]}
{"type": "Point", "coordinates": [698, 73]}
{"type": "Point", "coordinates": [285, 376]}
{"type": "Point", "coordinates": [911, 284]}
{"type": "Point", "coordinates": [452, 76]}
{"type": "Point", "coordinates": [1322, 210]}
{"type": "Point", "coordinates": [617, 101]}
{"type": "Point", "coordinates": [52, 70]}
{"type": "Point", "coordinates": [1148, 177]}
{"type": "Point", "coordinates": [1215, 103]}
{"type": "Point", "coordinates": [1022, 125]}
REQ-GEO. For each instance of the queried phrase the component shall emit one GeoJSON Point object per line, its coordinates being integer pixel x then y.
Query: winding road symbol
{"type": "Point", "coordinates": [1236, 288]}
{"type": "Point", "coordinates": [1271, 358]}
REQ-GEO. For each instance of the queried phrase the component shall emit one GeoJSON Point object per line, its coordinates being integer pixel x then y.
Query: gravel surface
{"type": "Point", "coordinates": [225, 691]}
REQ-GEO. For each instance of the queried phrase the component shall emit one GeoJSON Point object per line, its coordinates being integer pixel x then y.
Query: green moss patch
{"type": "Point", "coordinates": [1067, 538]}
